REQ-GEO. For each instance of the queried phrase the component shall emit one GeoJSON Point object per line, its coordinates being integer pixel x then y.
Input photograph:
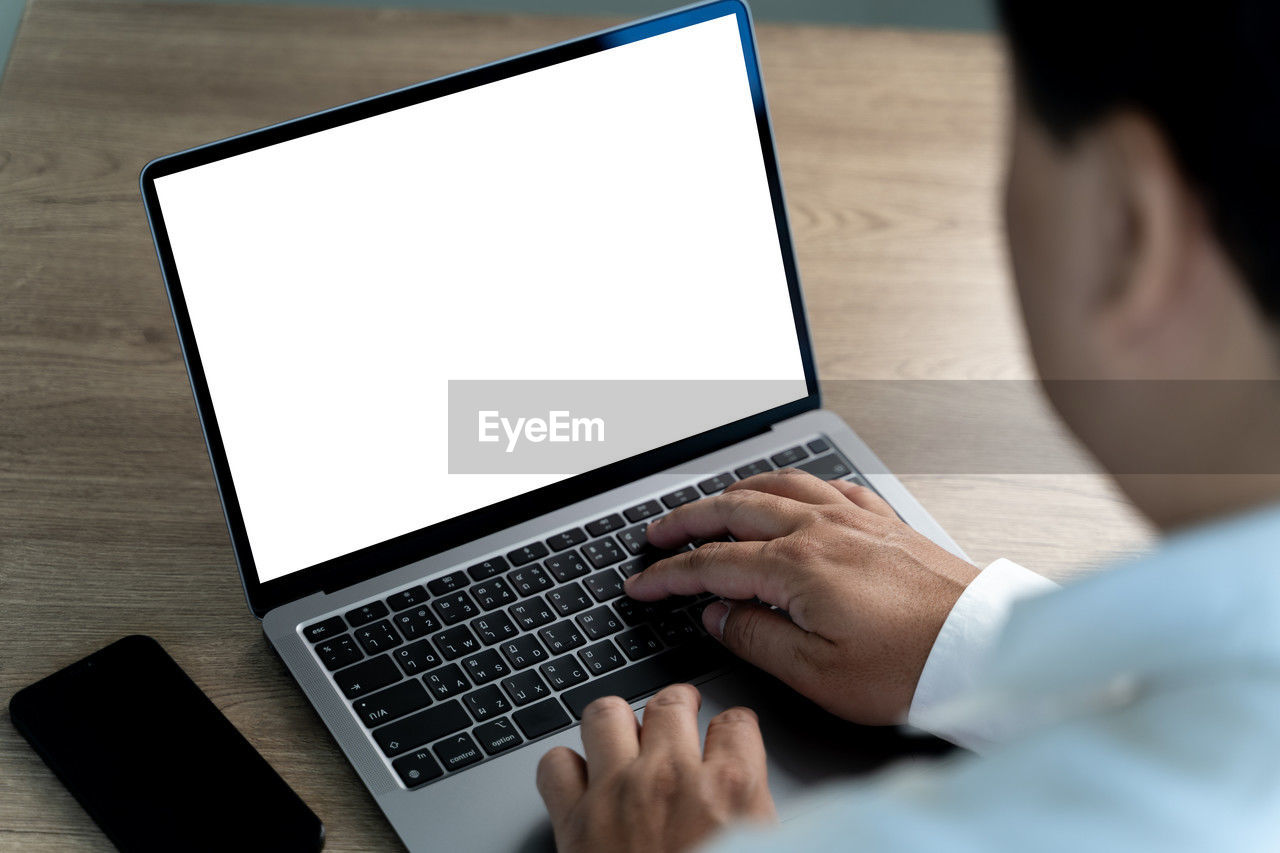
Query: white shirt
{"type": "Point", "coordinates": [963, 645]}
{"type": "Point", "coordinates": [1138, 709]}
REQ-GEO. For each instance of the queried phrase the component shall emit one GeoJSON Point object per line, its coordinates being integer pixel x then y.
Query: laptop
{"type": "Point", "coordinates": [452, 348]}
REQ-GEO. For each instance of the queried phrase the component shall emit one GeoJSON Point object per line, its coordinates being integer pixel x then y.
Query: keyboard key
{"type": "Point", "coordinates": [600, 622]}
{"type": "Point", "coordinates": [566, 566]}
{"type": "Point", "coordinates": [790, 456]}
{"type": "Point", "coordinates": [601, 658]}
{"type": "Point", "coordinates": [368, 613]}
{"type": "Point", "coordinates": [485, 667]}
{"type": "Point", "coordinates": [338, 653]}
{"type": "Point", "coordinates": [456, 642]}
{"type": "Point", "coordinates": [422, 727]}
{"type": "Point", "coordinates": [493, 593]}
{"type": "Point", "coordinates": [497, 736]}
{"type": "Point", "coordinates": [457, 751]}
{"type": "Point", "coordinates": [540, 719]}
{"type": "Point", "coordinates": [718, 483]}
{"type": "Point", "coordinates": [487, 703]}
{"type": "Point", "coordinates": [523, 651]}
{"type": "Point", "coordinates": [649, 675]}
{"type": "Point", "coordinates": [604, 585]}
{"type": "Point", "coordinates": [377, 637]}
{"type": "Point", "coordinates": [417, 768]}
{"type": "Point", "coordinates": [562, 636]}
{"type": "Point", "coordinates": [568, 599]}
{"type": "Point", "coordinates": [531, 614]}
{"type": "Point", "coordinates": [489, 568]}
{"type": "Point", "coordinates": [532, 579]}
{"type": "Point", "coordinates": [680, 497]}
{"type": "Point", "coordinates": [417, 658]}
{"type": "Point", "coordinates": [676, 629]}
{"type": "Point", "coordinates": [418, 622]}
{"type": "Point", "coordinates": [632, 567]}
{"type": "Point", "coordinates": [455, 607]}
{"type": "Point", "coordinates": [648, 509]}
{"type": "Point", "coordinates": [603, 552]}
{"type": "Point", "coordinates": [364, 678]}
{"type": "Point", "coordinates": [757, 467]}
{"type": "Point", "coordinates": [389, 704]}
{"type": "Point", "coordinates": [827, 467]}
{"type": "Point", "coordinates": [331, 627]}
{"type": "Point", "coordinates": [451, 582]}
{"type": "Point", "coordinates": [494, 628]}
{"type": "Point", "coordinates": [446, 681]}
{"type": "Point", "coordinates": [567, 539]}
{"type": "Point", "coordinates": [608, 524]}
{"type": "Point", "coordinates": [564, 672]}
{"type": "Point", "coordinates": [633, 538]}
{"type": "Point", "coordinates": [639, 612]}
{"type": "Point", "coordinates": [527, 554]}
{"type": "Point", "coordinates": [638, 643]}
{"type": "Point", "coordinates": [819, 445]}
{"type": "Point", "coordinates": [408, 598]}
{"type": "Point", "coordinates": [525, 687]}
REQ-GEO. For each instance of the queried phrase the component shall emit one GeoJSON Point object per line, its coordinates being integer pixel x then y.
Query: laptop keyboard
{"type": "Point", "coordinates": [447, 674]}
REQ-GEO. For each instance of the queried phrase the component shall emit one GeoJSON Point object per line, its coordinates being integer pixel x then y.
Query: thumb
{"type": "Point", "coordinates": [767, 639]}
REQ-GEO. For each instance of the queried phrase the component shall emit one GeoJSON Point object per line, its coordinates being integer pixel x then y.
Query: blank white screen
{"type": "Point", "coordinates": [604, 218]}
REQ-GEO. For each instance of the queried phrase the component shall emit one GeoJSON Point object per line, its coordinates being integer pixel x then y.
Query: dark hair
{"type": "Point", "coordinates": [1207, 73]}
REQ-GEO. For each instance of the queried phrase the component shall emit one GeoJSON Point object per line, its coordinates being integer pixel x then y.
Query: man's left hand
{"type": "Point", "coordinates": [652, 788]}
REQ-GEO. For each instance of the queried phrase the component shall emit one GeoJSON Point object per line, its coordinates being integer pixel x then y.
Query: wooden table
{"type": "Point", "coordinates": [109, 521]}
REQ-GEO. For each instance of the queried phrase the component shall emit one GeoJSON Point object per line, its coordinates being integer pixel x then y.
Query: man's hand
{"type": "Point", "coordinates": [865, 594]}
{"type": "Point", "coordinates": [651, 788]}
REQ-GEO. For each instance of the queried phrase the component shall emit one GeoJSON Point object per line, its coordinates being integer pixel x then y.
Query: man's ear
{"type": "Point", "coordinates": [1164, 248]}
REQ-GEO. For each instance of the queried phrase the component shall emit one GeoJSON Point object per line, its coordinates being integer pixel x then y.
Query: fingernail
{"type": "Point", "coordinates": [714, 617]}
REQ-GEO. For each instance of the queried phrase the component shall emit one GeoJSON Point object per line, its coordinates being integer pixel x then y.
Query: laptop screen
{"type": "Point", "coordinates": [605, 218]}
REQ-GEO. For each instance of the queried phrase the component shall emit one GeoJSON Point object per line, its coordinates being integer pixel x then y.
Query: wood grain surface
{"type": "Point", "coordinates": [890, 146]}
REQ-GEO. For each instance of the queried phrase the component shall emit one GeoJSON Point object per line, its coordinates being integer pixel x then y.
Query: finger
{"type": "Point", "coordinates": [791, 483]}
{"type": "Point", "coordinates": [610, 736]}
{"type": "Point", "coordinates": [865, 498]}
{"type": "Point", "coordinates": [769, 640]}
{"type": "Point", "coordinates": [562, 780]}
{"type": "Point", "coordinates": [729, 569]}
{"type": "Point", "coordinates": [670, 725]}
{"type": "Point", "coordinates": [735, 747]}
{"type": "Point", "coordinates": [734, 735]}
{"type": "Point", "coordinates": [744, 514]}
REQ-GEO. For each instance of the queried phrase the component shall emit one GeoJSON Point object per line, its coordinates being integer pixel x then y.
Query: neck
{"type": "Point", "coordinates": [1175, 501]}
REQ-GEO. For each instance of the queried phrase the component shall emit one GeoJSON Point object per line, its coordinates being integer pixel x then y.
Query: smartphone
{"type": "Point", "coordinates": [154, 762]}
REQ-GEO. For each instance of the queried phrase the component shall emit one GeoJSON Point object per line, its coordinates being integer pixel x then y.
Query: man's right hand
{"type": "Point", "coordinates": [864, 594]}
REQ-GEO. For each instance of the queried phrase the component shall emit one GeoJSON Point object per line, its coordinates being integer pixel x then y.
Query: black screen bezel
{"type": "Point", "coordinates": [391, 554]}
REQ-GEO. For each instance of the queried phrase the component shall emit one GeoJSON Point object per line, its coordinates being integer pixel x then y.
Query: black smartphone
{"type": "Point", "coordinates": [154, 762]}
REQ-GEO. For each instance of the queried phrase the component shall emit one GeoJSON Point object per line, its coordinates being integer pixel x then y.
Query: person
{"type": "Point", "coordinates": [1136, 709]}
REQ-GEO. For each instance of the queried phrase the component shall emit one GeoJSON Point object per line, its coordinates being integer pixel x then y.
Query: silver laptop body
{"type": "Point", "coordinates": [601, 221]}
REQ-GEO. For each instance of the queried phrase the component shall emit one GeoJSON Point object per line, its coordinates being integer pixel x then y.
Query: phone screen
{"type": "Point", "coordinates": [154, 762]}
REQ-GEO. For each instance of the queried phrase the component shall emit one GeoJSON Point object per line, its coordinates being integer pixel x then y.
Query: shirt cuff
{"type": "Point", "coordinates": [962, 646]}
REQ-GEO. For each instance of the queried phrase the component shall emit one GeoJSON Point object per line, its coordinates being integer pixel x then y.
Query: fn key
{"type": "Point", "coordinates": [417, 767]}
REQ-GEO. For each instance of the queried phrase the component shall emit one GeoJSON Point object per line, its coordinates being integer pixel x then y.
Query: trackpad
{"type": "Point", "coordinates": [806, 745]}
